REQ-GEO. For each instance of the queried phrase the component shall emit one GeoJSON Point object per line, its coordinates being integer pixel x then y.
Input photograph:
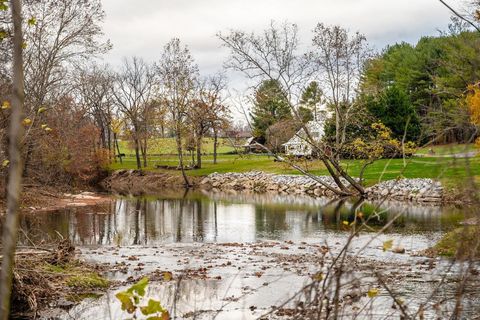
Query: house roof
{"type": "Point", "coordinates": [249, 141]}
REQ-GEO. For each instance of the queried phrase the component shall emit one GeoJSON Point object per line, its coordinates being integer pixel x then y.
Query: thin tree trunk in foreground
{"type": "Point", "coordinates": [16, 131]}
{"type": "Point", "coordinates": [199, 152]}
{"type": "Point", "coordinates": [115, 142]}
{"type": "Point", "coordinates": [178, 138]}
{"type": "Point", "coordinates": [215, 144]}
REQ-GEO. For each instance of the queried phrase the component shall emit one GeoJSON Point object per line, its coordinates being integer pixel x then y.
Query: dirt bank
{"type": "Point", "coordinates": [36, 198]}
{"type": "Point", "coordinates": [139, 182]}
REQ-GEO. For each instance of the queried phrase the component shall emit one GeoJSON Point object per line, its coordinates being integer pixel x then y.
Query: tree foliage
{"type": "Point", "coordinates": [270, 106]}
{"type": "Point", "coordinates": [433, 74]}
{"type": "Point", "coordinates": [394, 109]}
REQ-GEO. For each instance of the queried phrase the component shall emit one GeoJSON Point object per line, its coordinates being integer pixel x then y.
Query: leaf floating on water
{"type": "Point", "coordinates": [167, 276]}
{"type": "Point", "coordinates": [318, 276]}
{"type": "Point", "coordinates": [387, 245]}
{"type": "Point", "coordinates": [373, 292]}
{"type": "Point", "coordinates": [32, 21]}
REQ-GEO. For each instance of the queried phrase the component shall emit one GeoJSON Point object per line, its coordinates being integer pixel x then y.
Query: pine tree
{"type": "Point", "coordinates": [270, 107]}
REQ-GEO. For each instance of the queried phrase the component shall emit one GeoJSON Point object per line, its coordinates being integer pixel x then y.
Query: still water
{"type": "Point", "coordinates": [224, 233]}
{"type": "Point", "coordinates": [219, 217]}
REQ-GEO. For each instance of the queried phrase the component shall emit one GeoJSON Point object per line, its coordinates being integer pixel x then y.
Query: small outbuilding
{"type": "Point", "coordinates": [252, 145]}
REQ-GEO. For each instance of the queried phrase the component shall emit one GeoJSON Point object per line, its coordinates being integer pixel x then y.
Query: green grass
{"type": "Point", "coordinates": [460, 243]}
{"type": "Point", "coordinates": [447, 149]}
{"type": "Point", "coordinates": [77, 277]}
{"type": "Point", "coordinates": [168, 146]}
{"type": "Point", "coordinates": [450, 170]}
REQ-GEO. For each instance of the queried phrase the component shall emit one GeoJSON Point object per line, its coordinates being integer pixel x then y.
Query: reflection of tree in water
{"type": "Point", "coordinates": [141, 221]}
{"type": "Point", "coordinates": [270, 220]}
{"type": "Point", "coordinates": [42, 227]}
{"type": "Point", "coordinates": [337, 211]}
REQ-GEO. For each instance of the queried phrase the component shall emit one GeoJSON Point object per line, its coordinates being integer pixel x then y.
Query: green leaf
{"type": "Point", "coordinates": [125, 299]}
{"type": "Point", "coordinates": [139, 287]}
{"type": "Point", "coordinates": [152, 307]}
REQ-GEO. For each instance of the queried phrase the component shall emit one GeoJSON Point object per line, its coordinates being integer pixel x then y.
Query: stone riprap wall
{"type": "Point", "coordinates": [422, 190]}
{"type": "Point", "coordinates": [418, 189]}
{"type": "Point", "coordinates": [266, 182]}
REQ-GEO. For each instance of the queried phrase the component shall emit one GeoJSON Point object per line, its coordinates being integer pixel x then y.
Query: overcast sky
{"type": "Point", "coordinates": [142, 27]}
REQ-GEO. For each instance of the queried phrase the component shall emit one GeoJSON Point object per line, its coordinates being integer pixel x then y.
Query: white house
{"type": "Point", "coordinates": [298, 145]}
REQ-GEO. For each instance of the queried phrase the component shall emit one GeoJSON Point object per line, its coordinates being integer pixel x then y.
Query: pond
{"type": "Point", "coordinates": [237, 255]}
{"type": "Point", "coordinates": [220, 217]}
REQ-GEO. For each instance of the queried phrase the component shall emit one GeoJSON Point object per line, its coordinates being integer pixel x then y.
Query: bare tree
{"type": "Point", "coordinates": [94, 85]}
{"type": "Point", "coordinates": [133, 93]}
{"type": "Point", "coordinates": [274, 55]}
{"type": "Point", "coordinates": [9, 240]}
{"type": "Point", "coordinates": [59, 34]}
{"type": "Point", "coordinates": [340, 58]}
{"type": "Point", "coordinates": [209, 113]}
{"type": "Point", "coordinates": [178, 75]}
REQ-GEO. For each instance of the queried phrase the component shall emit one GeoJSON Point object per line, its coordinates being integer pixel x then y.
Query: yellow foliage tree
{"type": "Point", "coordinates": [473, 104]}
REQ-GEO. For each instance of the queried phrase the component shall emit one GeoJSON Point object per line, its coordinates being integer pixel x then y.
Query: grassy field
{"type": "Point", "coordinates": [447, 149]}
{"type": "Point", "coordinates": [168, 146]}
{"type": "Point", "coordinates": [447, 169]}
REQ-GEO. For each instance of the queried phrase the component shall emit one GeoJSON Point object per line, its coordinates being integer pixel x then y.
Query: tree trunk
{"type": "Point", "coordinates": [215, 144]}
{"type": "Point", "coordinates": [178, 139]}
{"type": "Point", "coordinates": [143, 148]}
{"type": "Point", "coordinates": [109, 145]}
{"type": "Point", "coordinates": [337, 132]}
{"type": "Point", "coordinates": [115, 142]}
{"type": "Point", "coordinates": [199, 151]}
{"type": "Point", "coordinates": [14, 185]}
{"type": "Point", "coordinates": [137, 153]}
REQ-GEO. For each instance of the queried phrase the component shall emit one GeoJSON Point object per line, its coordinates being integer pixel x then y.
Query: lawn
{"type": "Point", "coordinates": [446, 149]}
{"type": "Point", "coordinates": [160, 146]}
{"type": "Point", "coordinates": [449, 170]}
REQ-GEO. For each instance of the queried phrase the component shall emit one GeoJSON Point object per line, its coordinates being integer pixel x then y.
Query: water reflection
{"type": "Point", "coordinates": [220, 217]}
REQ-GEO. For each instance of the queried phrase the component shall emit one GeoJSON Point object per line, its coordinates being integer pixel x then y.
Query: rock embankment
{"type": "Point", "coordinates": [421, 190]}
{"type": "Point", "coordinates": [266, 182]}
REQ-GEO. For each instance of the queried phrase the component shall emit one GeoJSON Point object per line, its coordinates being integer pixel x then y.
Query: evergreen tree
{"type": "Point", "coordinates": [270, 107]}
{"type": "Point", "coordinates": [309, 103]}
{"type": "Point", "coordinates": [393, 109]}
